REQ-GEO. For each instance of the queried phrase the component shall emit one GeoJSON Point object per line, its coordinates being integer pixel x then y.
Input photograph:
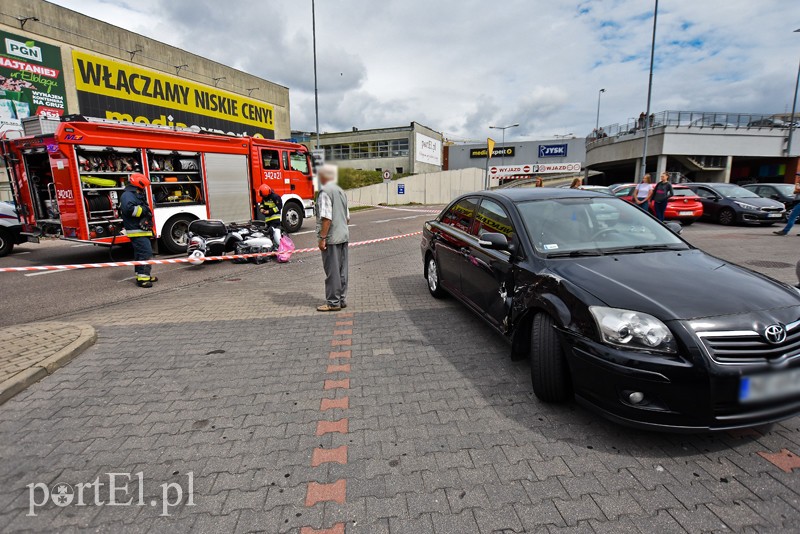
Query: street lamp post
{"type": "Point", "coordinates": [794, 108]}
{"type": "Point", "coordinates": [649, 94]}
{"type": "Point", "coordinates": [503, 142]}
{"type": "Point", "coordinates": [597, 122]}
{"type": "Point", "coordinates": [316, 92]}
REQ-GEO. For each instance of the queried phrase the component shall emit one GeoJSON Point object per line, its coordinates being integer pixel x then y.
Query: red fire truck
{"type": "Point", "coordinates": [68, 184]}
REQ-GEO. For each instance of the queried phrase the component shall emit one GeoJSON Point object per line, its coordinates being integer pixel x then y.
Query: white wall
{"type": "Point", "coordinates": [429, 188]}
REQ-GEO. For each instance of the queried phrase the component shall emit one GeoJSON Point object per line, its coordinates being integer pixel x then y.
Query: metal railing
{"type": "Point", "coordinates": [711, 120]}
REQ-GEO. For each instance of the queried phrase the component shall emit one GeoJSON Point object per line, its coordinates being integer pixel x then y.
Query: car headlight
{"type": "Point", "coordinates": [745, 205]}
{"type": "Point", "coordinates": [633, 330]}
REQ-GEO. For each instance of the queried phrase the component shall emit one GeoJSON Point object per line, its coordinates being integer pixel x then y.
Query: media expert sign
{"type": "Point", "coordinates": [31, 80]}
{"type": "Point", "coordinates": [113, 90]}
{"type": "Point", "coordinates": [428, 150]}
{"type": "Point", "coordinates": [507, 151]}
{"type": "Point", "coordinates": [534, 168]}
{"type": "Point", "coordinates": [553, 151]}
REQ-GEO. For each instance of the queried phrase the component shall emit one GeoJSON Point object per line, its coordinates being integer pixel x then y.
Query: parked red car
{"type": "Point", "coordinates": [684, 206]}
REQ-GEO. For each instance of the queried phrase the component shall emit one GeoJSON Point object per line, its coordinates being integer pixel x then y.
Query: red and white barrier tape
{"type": "Point", "coordinates": [80, 266]}
{"type": "Point", "coordinates": [357, 204]}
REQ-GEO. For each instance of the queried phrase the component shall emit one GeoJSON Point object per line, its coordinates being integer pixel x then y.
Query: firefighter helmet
{"type": "Point", "coordinates": [139, 180]}
{"type": "Point", "coordinates": [264, 190]}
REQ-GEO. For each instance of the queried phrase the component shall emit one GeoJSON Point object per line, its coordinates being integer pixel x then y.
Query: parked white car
{"type": "Point", "coordinates": [10, 228]}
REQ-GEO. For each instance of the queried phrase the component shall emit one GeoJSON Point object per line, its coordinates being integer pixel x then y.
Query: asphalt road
{"type": "Point", "coordinates": [48, 295]}
{"type": "Point", "coordinates": [26, 297]}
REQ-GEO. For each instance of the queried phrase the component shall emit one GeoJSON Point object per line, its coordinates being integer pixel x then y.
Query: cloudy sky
{"type": "Point", "coordinates": [462, 65]}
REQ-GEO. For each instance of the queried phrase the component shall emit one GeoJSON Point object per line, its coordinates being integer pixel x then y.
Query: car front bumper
{"type": "Point", "coordinates": [683, 393]}
{"type": "Point", "coordinates": [758, 216]}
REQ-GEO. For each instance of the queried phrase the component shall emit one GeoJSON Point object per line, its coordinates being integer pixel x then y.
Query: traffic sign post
{"type": "Point", "coordinates": [387, 175]}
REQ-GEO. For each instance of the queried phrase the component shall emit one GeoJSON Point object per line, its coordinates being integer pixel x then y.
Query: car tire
{"type": "Point", "coordinates": [174, 235]}
{"type": "Point", "coordinates": [6, 242]}
{"type": "Point", "coordinates": [726, 217]}
{"type": "Point", "coordinates": [549, 371]}
{"type": "Point", "coordinates": [433, 277]}
{"type": "Point", "coordinates": [292, 217]}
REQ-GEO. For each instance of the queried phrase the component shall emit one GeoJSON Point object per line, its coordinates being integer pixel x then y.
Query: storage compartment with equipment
{"type": "Point", "coordinates": [175, 178]}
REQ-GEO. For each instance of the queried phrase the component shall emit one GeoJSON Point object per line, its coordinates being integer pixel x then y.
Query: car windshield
{"type": "Point", "coordinates": [681, 192]}
{"type": "Point", "coordinates": [594, 225]}
{"type": "Point", "coordinates": [734, 191]}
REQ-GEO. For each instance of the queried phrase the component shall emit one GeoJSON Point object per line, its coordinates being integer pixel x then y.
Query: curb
{"type": "Point", "coordinates": [31, 375]}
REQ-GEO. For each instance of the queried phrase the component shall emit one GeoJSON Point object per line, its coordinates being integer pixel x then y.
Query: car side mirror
{"type": "Point", "coordinates": [674, 227]}
{"type": "Point", "coordinates": [494, 241]}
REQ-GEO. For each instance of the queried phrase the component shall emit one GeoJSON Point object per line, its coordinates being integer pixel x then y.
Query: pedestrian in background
{"type": "Point", "coordinates": [661, 194]}
{"type": "Point", "coordinates": [539, 182]}
{"type": "Point", "coordinates": [332, 218]}
{"type": "Point", "coordinates": [137, 219]}
{"type": "Point", "coordinates": [643, 192]}
{"type": "Point", "coordinates": [576, 183]}
{"type": "Point", "coordinates": [795, 211]}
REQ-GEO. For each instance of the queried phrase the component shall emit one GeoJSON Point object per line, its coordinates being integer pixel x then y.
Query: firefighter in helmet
{"type": "Point", "coordinates": [137, 219]}
{"type": "Point", "coordinates": [271, 206]}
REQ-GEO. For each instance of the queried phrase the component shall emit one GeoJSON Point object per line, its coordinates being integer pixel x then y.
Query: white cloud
{"type": "Point", "coordinates": [459, 66]}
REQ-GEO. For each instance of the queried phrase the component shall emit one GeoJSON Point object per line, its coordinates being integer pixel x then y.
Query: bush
{"type": "Point", "coordinates": [352, 178]}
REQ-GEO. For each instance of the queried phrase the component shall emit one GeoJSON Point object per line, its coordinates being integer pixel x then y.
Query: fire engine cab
{"type": "Point", "coordinates": [68, 183]}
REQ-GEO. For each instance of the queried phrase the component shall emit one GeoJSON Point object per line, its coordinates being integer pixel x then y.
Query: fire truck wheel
{"type": "Point", "coordinates": [292, 217]}
{"type": "Point", "coordinates": [6, 242]}
{"type": "Point", "coordinates": [174, 235]}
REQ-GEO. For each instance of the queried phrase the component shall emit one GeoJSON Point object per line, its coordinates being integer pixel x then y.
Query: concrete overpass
{"type": "Point", "coordinates": [714, 147]}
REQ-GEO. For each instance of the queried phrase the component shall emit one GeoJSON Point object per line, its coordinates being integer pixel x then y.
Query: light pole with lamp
{"type": "Point", "coordinates": [597, 121]}
{"type": "Point", "coordinates": [316, 92]}
{"type": "Point", "coordinates": [503, 142]}
{"type": "Point", "coordinates": [649, 94]}
{"type": "Point", "coordinates": [794, 108]}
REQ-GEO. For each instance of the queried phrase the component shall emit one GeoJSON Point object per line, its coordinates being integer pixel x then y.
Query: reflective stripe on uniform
{"type": "Point", "coordinates": [142, 278]}
{"type": "Point", "coordinates": [273, 218]}
{"type": "Point", "coordinates": [137, 211]}
{"type": "Point", "coordinates": [138, 233]}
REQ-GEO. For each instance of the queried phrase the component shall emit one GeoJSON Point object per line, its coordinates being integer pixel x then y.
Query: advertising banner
{"type": "Point", "coordinates": [428, 150]}
{"type": "Point", "coordinates": [110, 89]}
{"type": "Point", "coordinates": [553, 151]}
{"type": "Point", "coordinates": [497, 152]}
{"type": "Point", "coordinates": [31, 80]}
{"type": "Point", "coordinates": [534, 168]}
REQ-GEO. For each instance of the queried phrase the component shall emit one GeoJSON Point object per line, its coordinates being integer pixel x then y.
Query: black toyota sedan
{"type": "Point", "coordinates": [614, 308]}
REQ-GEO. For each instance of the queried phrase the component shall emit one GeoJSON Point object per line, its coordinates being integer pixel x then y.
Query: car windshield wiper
{"type": "Point", "coordinates": [574, 254]}
{"type": "Point", "coordinates": [674, 246]}
{"type": "Point", "coordinates": [624, 250]}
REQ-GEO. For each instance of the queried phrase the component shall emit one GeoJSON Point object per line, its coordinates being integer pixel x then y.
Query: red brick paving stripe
{"type": "Point", "coordinates": [326, 427]}
{"type": "Point", "coordinates": [337, 384]}
{"type": "Point", "coordinates": [340, 354]}
{"type": "Point", "coordinates": [329, 404]}
{"type": "Point", "coordinates": [344, 323]}
{"type": "Point", "coordinates": [340, 342]}
{"type": "Point", "coordinates": [339, 368]}
{"type": "Point", "coordinates": [338, 528]}
{"type": "Point", "coordinates": [785, 460]}
{"type": "Point", "coordinates": [348, 315]}
{"type": "Point", "coordinates": [348, 332]}
{"type": "Point", "coordinates": [326, 492]}
{"type": "Point", "coordinates": [321, 456]}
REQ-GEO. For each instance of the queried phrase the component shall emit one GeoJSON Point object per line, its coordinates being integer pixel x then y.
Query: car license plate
{"type": "Point", "coordinates": [769, 386]}
{"type": "Point", "coordinates": [685, 213]}
{"type": "Point", "coordinates": [774, 215]}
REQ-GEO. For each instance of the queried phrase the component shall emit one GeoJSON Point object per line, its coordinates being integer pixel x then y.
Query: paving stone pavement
{"type": "Point", "coordinates": [227, 381]}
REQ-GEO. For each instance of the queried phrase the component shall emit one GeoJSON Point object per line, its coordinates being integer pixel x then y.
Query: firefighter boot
{"type": "Point", "coordinates": [144, 280]}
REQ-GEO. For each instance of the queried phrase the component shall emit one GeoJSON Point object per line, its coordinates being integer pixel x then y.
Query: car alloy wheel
{"type": "Point", "coordinates": [432, 274]}
{"type": "Point", "coordinates": [727, 217]}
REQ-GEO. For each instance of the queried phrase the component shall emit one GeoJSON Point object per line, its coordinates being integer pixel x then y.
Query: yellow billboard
{"type": "Point", "coordinates": [111, 89]}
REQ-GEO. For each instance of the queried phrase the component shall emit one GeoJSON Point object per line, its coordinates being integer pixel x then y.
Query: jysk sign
{"type": "Point", "coordinates": [500, 151]}
{"type": "Point", "coordinates": [553, 151]}
{"type": "Point", "coordinates": [114, 90]}
{"type": "Point", "coordinates": [31, 80]}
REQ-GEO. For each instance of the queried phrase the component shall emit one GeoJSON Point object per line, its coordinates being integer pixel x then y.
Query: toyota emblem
{"type": "Point", "coordinates": [775, 334]}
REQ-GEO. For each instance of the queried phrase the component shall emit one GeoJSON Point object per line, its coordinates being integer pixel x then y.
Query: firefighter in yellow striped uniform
{"type": "Point", "coordinates": [271, 206]}
{"type": "Point", "coordinates": [137, 219]}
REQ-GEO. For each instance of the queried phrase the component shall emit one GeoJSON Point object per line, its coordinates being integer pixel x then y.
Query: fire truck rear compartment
{"type": "Point", "coordinates": [42, 190]}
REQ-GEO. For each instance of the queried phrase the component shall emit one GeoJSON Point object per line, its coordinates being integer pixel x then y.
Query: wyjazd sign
{"type": "Point", "coordinates": [553, 151]}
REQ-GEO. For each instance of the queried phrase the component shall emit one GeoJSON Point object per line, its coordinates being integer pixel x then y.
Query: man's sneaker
{"type": "Point", "coordinates": [343, 305]}
{"type": "Point", "coordinates": [328, 308]}
{"type": "Point", "coordinates": [779, 232]}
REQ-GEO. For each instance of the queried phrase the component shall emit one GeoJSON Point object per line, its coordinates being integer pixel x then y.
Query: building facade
{"type": "Point", "coordinates": [572, 150]}
{"type": "Point", "coordinates": [412, 149]}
